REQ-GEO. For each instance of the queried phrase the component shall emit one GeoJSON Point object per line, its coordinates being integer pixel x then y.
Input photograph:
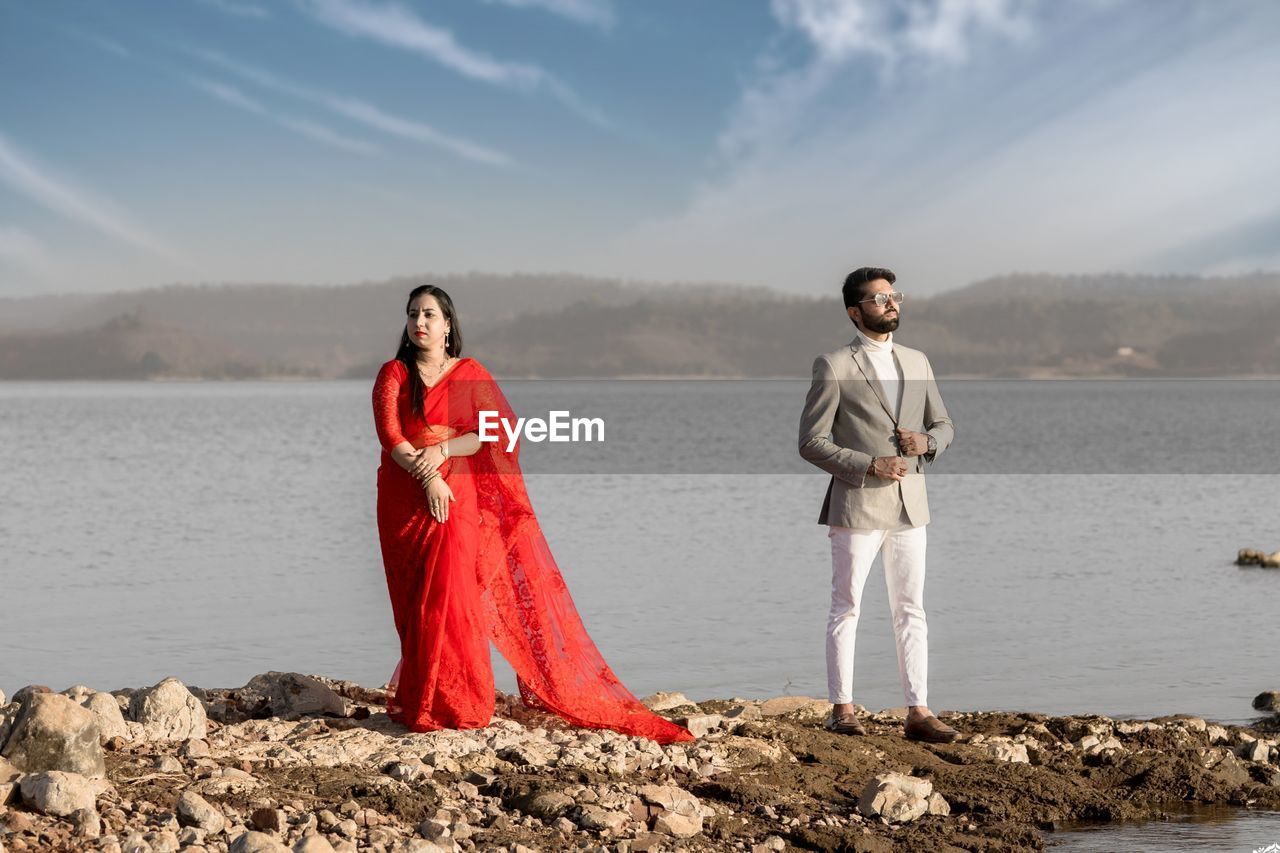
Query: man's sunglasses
{"type": "Point", "coordinates": [882, 299]}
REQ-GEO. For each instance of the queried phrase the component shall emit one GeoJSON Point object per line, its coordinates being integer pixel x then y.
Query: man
{"type": "Point", "coordinates": [873, 416]}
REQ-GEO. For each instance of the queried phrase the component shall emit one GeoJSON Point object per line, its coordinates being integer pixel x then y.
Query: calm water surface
{"type": "Point", "coordinates": [1079, 560]}
{"type": "Point", "coordinates": [1080, 556]}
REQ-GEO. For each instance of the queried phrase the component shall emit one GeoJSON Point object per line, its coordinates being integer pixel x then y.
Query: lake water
{"type": "Point", "coordinates": [1080, 554]}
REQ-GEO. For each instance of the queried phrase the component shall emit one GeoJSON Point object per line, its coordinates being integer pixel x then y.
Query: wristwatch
{"type": "Point", "coordinates": [933, 445]}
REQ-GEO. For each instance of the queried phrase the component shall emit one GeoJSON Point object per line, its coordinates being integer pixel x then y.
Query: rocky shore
{"type": "Point", "coordinates": [304, 763]}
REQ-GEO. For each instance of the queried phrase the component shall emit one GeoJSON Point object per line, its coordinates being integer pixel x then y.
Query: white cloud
{"type": "Point", "coordinates": [20, 172]}
{"type": "Point", "coordinates": [310, 129]}
{"type": "Point", "coordinates": [596, 13]}
{"type": "Point", "coordinates": [397, 26]}
{"type": "Point", "coordinates": [363, 112]}
{"type": "Point", "coordinates": [1108, 152]}
{"type": "Point", "coordinates": [840, 32]}
{"type": "Point", "coordinates": [239, 9]}
{"type": "Point", "coordinates": [893, 29]}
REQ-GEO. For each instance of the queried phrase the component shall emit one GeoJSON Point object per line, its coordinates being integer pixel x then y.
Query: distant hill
{"type": "Point", "coordinates": [560, 326]}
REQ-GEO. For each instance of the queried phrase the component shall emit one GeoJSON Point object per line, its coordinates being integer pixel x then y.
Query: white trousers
{"type": "Point", "coordinates": [852, 553]}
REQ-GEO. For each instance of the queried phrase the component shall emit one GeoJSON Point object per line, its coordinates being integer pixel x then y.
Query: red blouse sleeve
{"type": "Point", "coordinates": [386, 408]}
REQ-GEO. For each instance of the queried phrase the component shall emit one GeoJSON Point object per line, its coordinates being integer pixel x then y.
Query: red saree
{"type": "Point", "coordinates": [484, 575]}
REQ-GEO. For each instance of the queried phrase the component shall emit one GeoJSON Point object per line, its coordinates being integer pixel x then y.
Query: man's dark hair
{"type": "Point", "coordinates": [855, 283]}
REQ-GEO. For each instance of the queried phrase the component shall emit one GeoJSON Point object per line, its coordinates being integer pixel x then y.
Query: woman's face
{"type": "Point", "coordinates": [426, 325]}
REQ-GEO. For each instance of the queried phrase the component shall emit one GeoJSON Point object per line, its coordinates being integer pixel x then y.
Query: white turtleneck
{"type": "Point", "coordinates": [885, 367]}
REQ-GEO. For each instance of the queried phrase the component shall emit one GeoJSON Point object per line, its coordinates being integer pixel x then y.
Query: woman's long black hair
{"type": "Point", "coordinates": [407, 354]}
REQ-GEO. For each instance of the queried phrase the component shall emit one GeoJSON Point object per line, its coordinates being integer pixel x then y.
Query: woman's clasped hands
{"type": "Point", "coordinates": [424, 465]}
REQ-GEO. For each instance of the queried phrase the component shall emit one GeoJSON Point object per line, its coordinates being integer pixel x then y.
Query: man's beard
{"type": "Point", "coordinates": [884, 324]}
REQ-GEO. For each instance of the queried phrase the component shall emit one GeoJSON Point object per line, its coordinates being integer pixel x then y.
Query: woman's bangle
{"type": "Point", "coordinates": [430, 477]}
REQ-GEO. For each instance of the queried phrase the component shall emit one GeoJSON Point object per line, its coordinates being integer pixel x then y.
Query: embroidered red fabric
{"type": "Point", "coordinates": [484, 575]}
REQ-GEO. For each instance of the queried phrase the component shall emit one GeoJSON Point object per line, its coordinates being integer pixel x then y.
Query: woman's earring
{"type": "Point", "coordinates": [446, 337]}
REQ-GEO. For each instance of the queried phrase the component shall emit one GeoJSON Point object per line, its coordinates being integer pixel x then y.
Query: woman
{"type": "Point", "coordinates": [466, 563]}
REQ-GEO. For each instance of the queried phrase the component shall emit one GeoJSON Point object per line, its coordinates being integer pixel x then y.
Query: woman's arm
{"type": "Point", "coordinates": [461, 445]}
{"type": "Point", "coordinates": [386, 415]}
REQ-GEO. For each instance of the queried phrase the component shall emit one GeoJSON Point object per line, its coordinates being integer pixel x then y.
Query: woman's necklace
{"type": "Point", "coordinates": [429, 378]}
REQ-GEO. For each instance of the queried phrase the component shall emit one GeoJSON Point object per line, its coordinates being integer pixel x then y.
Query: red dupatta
{"type": "Point", "coordinates": [527, 609]}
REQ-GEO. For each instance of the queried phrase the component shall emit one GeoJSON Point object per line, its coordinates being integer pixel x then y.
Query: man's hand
{"type": "Point", "coordinates": [912, 443]}
{"type": "Point", "coordinates": [888, 467]}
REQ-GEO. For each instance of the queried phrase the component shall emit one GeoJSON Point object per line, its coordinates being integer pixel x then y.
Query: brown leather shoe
{"type": "Point", "coordinates": [930, 730]}
{"type": "Point", "coordinates": [845, 724]}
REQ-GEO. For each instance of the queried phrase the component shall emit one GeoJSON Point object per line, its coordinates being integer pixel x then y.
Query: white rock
{"type": "Point", "coordinates": [805, 707]}
{"type": "Point", "coordinates": [681, 826]}
{"type": "Point", "coordinates": [257, 842]}
{"type": "Point", "coordinates": [700, 725]}
{"type": "Point", "coordinates": [106, 711]}
{"type": "Point", "coordinates": [1256, 751]}
{"type": "Point", "coordinates": [57, 793]}
{"type": "Point", "coordinates": [292, 695]}
{"type": "Point", "coordinates": [681, 813]}
{"type": "Point", "coordinates": [896, 797]}
{"type": "Point", "coordinates": [168, 711]}
{"type": "Point", "coordinates": [666, 701]}
{"type": "Point", "coordinates": [314, 843]}
{"type": "Point", "coordinates": [1003, 749]}
{"type": "Point", "coordinates": [54, 733]}
{"type": "Point", "coordinates": [602, 820]}
{"type": "Point", "coordinates": [1102, 746]}
{"type": "Point", "coordinates": [1132, 727]}
{"type": "Point", "coordinates": [195, 810]}
{"type": "Point", "coordinates": [938, 805]}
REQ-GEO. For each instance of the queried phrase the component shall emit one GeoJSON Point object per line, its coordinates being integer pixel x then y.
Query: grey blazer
{"type": "Point", "coordinates": [847, 421]}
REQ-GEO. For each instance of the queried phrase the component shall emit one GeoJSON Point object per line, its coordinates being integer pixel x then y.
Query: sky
{"type": "Point", "coordinates": [761, 142]}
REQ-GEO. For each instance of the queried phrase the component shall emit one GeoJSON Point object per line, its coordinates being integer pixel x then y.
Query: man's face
{"type": "Point", "coordinates": [875, 318]}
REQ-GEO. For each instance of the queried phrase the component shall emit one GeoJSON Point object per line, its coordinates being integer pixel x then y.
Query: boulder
{"type": "Point", "coordinates": [545, 805]}
{"type": "Point", "coordinates": [597, 819]}
{"type": "Point", "coordinates": [1254, 751]}
{"type": "Point", "coordinates": [291, 696]}
{"type": "Point", "coordinates": [1250, 557]}
{"type": "Point", "coordinates": [895, 798]}
{"type": "Point", "coordinates": [106, 711]}
{"type": "Point", "coordinates": [666, 701]}
{"type": "Point", "coordinates": [169, 712]}
{"type": "Point", "coordinates": [195, 810]}
{"type": "Point", "coordinates": [1004, 749]}
{"type": "Point", "coordinates": [314, 843]}
{"type": "Point", "coordinates": [679, 812]}
{"type": "Point", "coordinates": [57, 793]}
{"type": "Point", "coordinates": [1268, 701]}
{"type": "Point", "coordinates": [257, 842]}
{"type": "Point", "coordinates": [24, 694]}
{"type": "Point", "coordinates": [700, 725]}
{"type": "Point", "coordinates": [54, 733]}
{"type": "Point", "coordinates": [803, 707]}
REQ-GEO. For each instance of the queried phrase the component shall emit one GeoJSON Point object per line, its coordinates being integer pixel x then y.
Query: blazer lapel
{"type": "Point", "coordinates": [864, 364]}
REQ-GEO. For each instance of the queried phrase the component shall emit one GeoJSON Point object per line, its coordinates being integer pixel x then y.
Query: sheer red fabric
{"type": "Point", "coordinates": [484, 575]}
